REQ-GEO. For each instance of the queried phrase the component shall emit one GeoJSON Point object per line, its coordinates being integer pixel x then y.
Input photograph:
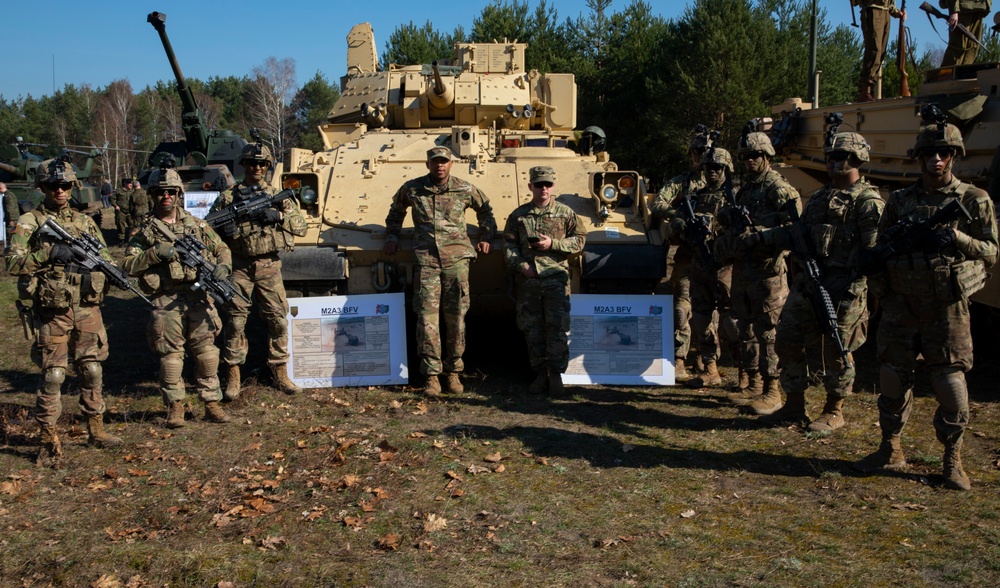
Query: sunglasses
{"type": "Point", "coordinates": [168, 192]}
{"type": "Point", "coordinates": [715, 167]}
{"type": "Point", "coordinates": [942, 152]}
{"type": "Point", "coordinates": [64, 186]}
{"type": "Point", "coordinates": [256, 164]}
{"type": "Point", "coordinates": [543, 185]}
{"type": "Point", "coordinates": [838, 156]}
{"type": "Point", "coordinates": [754, 155]}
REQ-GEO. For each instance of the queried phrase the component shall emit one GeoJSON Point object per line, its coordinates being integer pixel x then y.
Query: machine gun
{"type": "Point", "coordinates": [822, 304]}
{"type": "Point", "coordinates": [907, 234]}
{"type": "Point", "coordinates": [250, 209]}
{"type": "Point", "coordinates": [189, 250]}
{"type": "Point", "coordinates": [87, 257]}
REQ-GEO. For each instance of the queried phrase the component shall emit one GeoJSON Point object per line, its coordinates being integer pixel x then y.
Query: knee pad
{"type": "Point", "coordinates": [91, 374]}
{"type": "Point", "coordinates": [894, 383]}
{"type": "Point", "coordinates": [171, 367]}
{"type": "Point", "coordinates": [951, 390]}
{"type": "Point", "coordinates": [55, 376]}
{"type": "Point", "coordinates": [207, 362]}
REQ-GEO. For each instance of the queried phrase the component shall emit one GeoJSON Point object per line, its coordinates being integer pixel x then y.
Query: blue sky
{"type": "Point", "coordinates": [98, 42]}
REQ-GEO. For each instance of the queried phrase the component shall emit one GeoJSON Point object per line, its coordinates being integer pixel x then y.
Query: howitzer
{"type": "Point", "coordinates": [251, 209]}
{"type": "Point", "coordinates": [931, 11]}
{"type": "Point", "coordinates": [87, 257]}
{"type": "Point", "coordinates": [189, 254]}
{"type": "Point", "coordinates": [819, 296]}
{"type": "Point", "coordinates": [907, 235]}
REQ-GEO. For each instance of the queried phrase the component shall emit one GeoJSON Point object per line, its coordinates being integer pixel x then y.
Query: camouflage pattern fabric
{"type": "Point", "coordinates": [122, 198]}
{"type": "Point", "coordinates": [139, 206]}
{"type": "Point", "coordinates": [254, 239]}
{"type": "Point", "coordinates": [839, 223]}
{"type": "Point", "coordinates": [180, 316]}
{"type": "Point", "coordinates": [543, 302]}
{"type": "Point", "coordinates": [441, 292]}
{"type": "Point", "coordinates": [440, 236]}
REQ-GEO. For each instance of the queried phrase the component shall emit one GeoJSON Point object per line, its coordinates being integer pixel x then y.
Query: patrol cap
{"type": "Point", "coordinates": [542, 173]}
{"type": "Point", "coordinates": [442, 152]}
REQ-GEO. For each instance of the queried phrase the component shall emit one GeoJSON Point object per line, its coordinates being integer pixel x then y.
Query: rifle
{"type": "Point", "coordinates": [189, 250]}
{"type": "Point", "coordinates": [87, 257]}
{"type": "Point", "coordinates": [697, 230]}
{"type": "Point", "coordinates": [906, 235]}
{"type": "Point", "coordinates": [822, 304]}
{"type": "Point", "coordinates": [250, 209]}
{"type": "Point", "coordinates": [931, 11]}
{"type": "Point", "coordinates": [904, 77]}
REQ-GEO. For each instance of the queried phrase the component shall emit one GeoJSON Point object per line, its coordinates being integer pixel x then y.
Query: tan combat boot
{"type": "Point", "coordinates": [954, 476]}
{"type": "Point", "coordinates": [770, 401]}
{"type": "Point", "coordinates": [831, 419]}
{"type": "Point", "coordinates": [793, 411]}
{"type": "Point", "coordinates": [453, 384]}
{"type": "Point", "coordinates": [280, 371]}
{"type": "Point", "coordinates": [555, 384]}
{"type": "Point", "coordinates": [889, 456]}
{"type": "Point", "coordinates": [699, 364]}
{"type": "Point", "coordinates": [711, 377]}
{"type": "Point", "coordinates": [215, 414]}
{"type": "Point", "coordinates": [98, 436]}
{"type": "Point", "coordinates": [50, 452]}
{"type": "Point", "coordinates": [175, 415]}
{"type": "Point", "coordinates": [752, 391]}
{"type": "Point", "coordinates": [680, 372]}
{"type": "Point", "coordinates": [232, 391]}
{"type": "Point", "coordinates": [433, 385]}
{"type": "Point", "coordinates": [541, 382]}
{"type": "Point", "coordinates": [742, 381]}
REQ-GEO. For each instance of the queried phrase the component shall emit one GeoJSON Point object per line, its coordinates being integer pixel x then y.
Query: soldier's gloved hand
{"type": "Point", "coordinates": [677, 227]}
{"type": "Point", "coordinates": [221, 272]}
{"type": "Point", "coordinates": [939, 239]}
{"type": "Point", "coordinates": [270, 216]}
{"type": "Point", "coordinates": [229, 230]}
{"type": "Point", "coordinates": [749, 241]}
{"type": "Point", "coordinates": [61, 254]}
{"type": "Point", "coordinates": [164, 251]}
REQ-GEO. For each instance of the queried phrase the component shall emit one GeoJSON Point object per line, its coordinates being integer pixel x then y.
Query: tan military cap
{"type": "Point", "coordinates": [436, 152]}
{"type": "Point", "coordinates": [542, 173]}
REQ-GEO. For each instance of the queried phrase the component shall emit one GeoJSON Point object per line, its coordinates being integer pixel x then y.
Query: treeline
{"type": "Point", "coordinates": [645, 80]}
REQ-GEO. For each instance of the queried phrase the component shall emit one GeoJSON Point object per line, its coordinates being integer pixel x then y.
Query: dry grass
{"type": "Point", "coordinates": [378, 487]}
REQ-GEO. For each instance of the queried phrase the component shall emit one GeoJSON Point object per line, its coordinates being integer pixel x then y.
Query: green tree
{"type": "Point", "coordinates": [502, 19]}
{"type": "Point", "coordinates": [413, 45]}
{"type": "Point", "coordinates": [310, 107]}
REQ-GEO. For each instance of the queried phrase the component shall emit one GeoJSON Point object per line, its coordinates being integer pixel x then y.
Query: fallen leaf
{"type": "Point", "coordinates": [352, 522]}
{"type": "Point", "coordinates": [687, 514]}
{"type": "Point", "coordinates": [435, 523]}
{"type": "Point", "coordinates": [367, 506]}
{"type": "Point", "coordinates": [500, 469]}
{"type": "Point", "coordinates": [380, 493]}
{"type": "Point", "coordinates": [10, 488]}
{"type": "Point", "coordinates": [909, 506]}
{"type": "Point", "coordinates": [492, 458]}
{"type": "Point", "coordinates": [439, 444]}
{"type": "Point", "coordinates": [225, 585]}
{"type": "Point", "coordinates": [395, 405]}
{"type": "Point", "coordinates": [457, 493]}
{"type": "Point", "coordinates": [476, 470]}
{"type": "Point", "coordinates": [454, 476]}
{"type": "Point", "coordinates": [271, 542]}
{"type": "Point", "coordinates": [138, 472]}
{"type": "Point", "coordinates": [542, 460]}
{"type": "Point", "coordinates": [107, 581]}
{"type": "Point", "coordinates": [349, 481]}
{"type": "Point", "coordinates": [389, 542]}
{"type": "Point", "coordinates": [421, 408]}
{"type": "Point", "coordinates": [252, 447]}
{"type": "Point", "coordinates": [418, 435]}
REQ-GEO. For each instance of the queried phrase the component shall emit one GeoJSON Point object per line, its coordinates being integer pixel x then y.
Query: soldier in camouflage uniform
{"type": "Point", "coordinates": [442, 249]}
{"type": "Point", "coordinates": [122, 201]}
{"type": "Point", "coordinates": [875, 30]}
{"type": "Point", "coordinates": [970, 13]}
{"type": "Point", "coordinates": [759, 287]}
{"type": "Point", "coordinates": [139, 206]}
{"type": "Point", "coordinates": [257, 272]}
{"type": "Point", "coordinates": [66, 306]}
{"type": "Point", "coordinates": [539, 238]}
{"type": "Point", "coordinates": [925, 309]}
{"type": "Point", "coordinates": [838, 222]}
{"type": "Point", "coordinates": [181, 315]}
{"type": "Point", "coordinates": [709, 282]}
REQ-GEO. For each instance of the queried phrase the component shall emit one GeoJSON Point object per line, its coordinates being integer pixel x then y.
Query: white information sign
{"type": "Point", "coordinates": [355, 340]}
{"type": "Point", "coordinates": [198, 203]}
{"type": "Point", "coordinates": [621, 339]}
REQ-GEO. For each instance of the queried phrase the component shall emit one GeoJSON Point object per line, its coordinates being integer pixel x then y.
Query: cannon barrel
{"type": "Point", "coordinates": [440, 95]}
{"type": "Point", "coordinates": [195, 132]}
{"type": "Point", "coordinates": [13, 169]}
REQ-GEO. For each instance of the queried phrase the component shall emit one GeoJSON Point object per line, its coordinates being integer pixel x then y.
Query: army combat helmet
{"type": "Point", "coordinates": [937, 132]}
{"type": "Point", "coordinates": [719, 156]}
{"type": "Point", "coordinates": [754, 142]}
{"type": "Point", "coordinates": [852, 143]}
{"type": "Point", "coordinates": [54, 171]}
{"type": "Point", "coordinates": [164, 178]}
{"type": "Point", "coordinates": [256, 151]}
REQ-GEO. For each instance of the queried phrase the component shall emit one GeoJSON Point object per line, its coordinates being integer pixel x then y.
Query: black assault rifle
{"type": "Point", "coordinates": [189, 250]}
{"type": "Point", "coordinates": [697, 230]}
{"type": "Point", "coordinates": [817, 293]}
{"type": "Point", "coordinates": [251, 209]}
{"type": "Point", "coordinates": [87, 257]}
{"type": "Point", "coordinates": [908, 235]}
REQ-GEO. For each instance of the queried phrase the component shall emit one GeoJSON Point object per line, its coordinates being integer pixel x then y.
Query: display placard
{"type": "Point", "coordinates": [199, 203]}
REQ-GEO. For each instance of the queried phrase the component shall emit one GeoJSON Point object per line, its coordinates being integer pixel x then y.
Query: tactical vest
{"type": "Point", "coordinates": [59, 287]}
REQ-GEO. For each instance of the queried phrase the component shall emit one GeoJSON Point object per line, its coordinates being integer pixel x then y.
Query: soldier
{"type": "Point", "coordinates": [539, 238]}
{"type": "Point", "coordinates": [970, 13]}
{"type": "Point", "coordinates": [838, 222]}
{"type": "Point", "coordinates": [680, 272]}
{"type": "Point", "coordinates": [875, 30]}
{"type": "Point", "coordinates": [759, 286]}
{"type": "Point", "coordinates": [442, 249]}
{"type": "Point", "coordinates": [66, 306]}
{"type": "Point", "coordinates": [925, 309]}
{"type": "Point", "coordinates": [139, 206]}
{"type": "Point", "coordinates": [122, 201]}
{"type": "Point", "coordinates": [11, 211]}
{"type": "Point", "coordinates": [709, 282]}
{"type": "Point", "coordinates": [257, 272]}
{"type": "Point", "coordinates": [180, 313]}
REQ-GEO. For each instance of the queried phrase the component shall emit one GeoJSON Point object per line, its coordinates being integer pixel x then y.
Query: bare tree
{"type": "Point", "coordinates": [114, 125]}
{"type": "Point", "coordinates": [269, 94]}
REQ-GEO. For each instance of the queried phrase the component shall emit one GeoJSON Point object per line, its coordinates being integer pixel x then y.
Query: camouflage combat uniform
{"type": "Point", "coordinates": [543, 302]}
{"type": "Point", "coordinates": [443, 250]}
{"type": "Point", "coordinates": [139, 206]}
{"type": "Point", "coordinates": [180, 314]}
{"type": "Point", "coordinates": [257, 274]}
{"type": "Point", "coordinates": [961, 50]}
{"type": "Point", "coordinates": [122, 199]}
{"type": "Point", "coordinates": [875, 23]}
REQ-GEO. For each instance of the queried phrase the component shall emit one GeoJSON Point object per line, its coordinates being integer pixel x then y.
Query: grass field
{"type": "Point", "coordinates": [381, 487]}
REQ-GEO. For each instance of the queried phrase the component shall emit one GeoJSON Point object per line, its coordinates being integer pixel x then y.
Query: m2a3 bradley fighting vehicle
{"type": "Point", "coordinates": [17, 170]}
{"type": "Point", "coordinates": [499, 121]}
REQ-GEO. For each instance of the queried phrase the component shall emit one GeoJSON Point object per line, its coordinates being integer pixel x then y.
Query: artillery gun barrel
{"type": "Point", "coordinates": [13, 169]}
{"type": "Point", "coordinates": [440, 96]}
{"type": "Point", "coordinates": [439, 88]}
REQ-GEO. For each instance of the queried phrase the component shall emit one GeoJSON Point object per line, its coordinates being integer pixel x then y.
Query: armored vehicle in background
{"type": "Point", "coordinates": [499, 121]}
{"type": "Point", "coordinates": [966, 93]}
{"type": "Point", "coordinates": [17, 171]}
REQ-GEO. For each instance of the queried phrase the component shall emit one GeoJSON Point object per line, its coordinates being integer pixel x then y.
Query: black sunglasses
{"type": "Point", "coordinates": [838, 156]}
{"type": "Point", "coordinates": [543, 184]}
{"type": "Point", "coordinates": [942, 152]}
{"type": "Point", "coordinates": [64, 186]}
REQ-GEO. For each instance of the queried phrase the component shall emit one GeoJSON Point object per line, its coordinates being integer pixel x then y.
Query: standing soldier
{"type": "Point", "coordinates": [759, 286]}
{"type": "Point", "coordinates": [255, 246]}
{"type": "Point", "coordinates": [11, 211]}
{"type": "Point", "coordinates": [539, 238]}
{"type": "Point", "coordinates": [66, 305]}
{"type": "Point", "coordinates": [122, 201]}
{"type": "Point", "coordinates": [875, 31]}
{"type": "Point", "coordinates": [838, 222]}
{"type": "Point", "coordinates": [442, 249]}
{"type": "Point", "coordinates": [969, 13]}
{"type": "Point", "coordinates": [925, 309]}
{"type": "Point", "coordinates": [139, 206]}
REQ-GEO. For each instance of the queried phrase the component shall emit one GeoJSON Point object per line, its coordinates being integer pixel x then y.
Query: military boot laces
{"type": "Point", "coordinates": [770, 401]}
{"type": "Point", "coordinates": [752, 391]}
{"type": "Point", "coordinates": [540, 384]}
{"type": "Point", "coordinates": [555, 384]}
{"type": "Point", "coordinates": [433, 385]}
{"type": "Point", "coordinates": [710, 377]}
{"type": "Point", "coordinates": [793, 412]}
{"type": "Point", "coordinates": [453, 384]}
{"type": "Point", "coordinates": [50, 450]}
{"type": "Point", "coordinates": [175, 415]}
{"type": "Point", "coordinates": [232, 391]}
{"type": "Point", "coordinates": [832, 417]}
{"type": "Point", "coordinates": [98, 437]}
{"type": "Point", "coordinates": [281, 379]}
{"type": "Point", "coordinates": [215, 414]}
{"type": "Point", "coordinates": [954, 476]}
{"type": "Point", "coordinates": [889, 456]}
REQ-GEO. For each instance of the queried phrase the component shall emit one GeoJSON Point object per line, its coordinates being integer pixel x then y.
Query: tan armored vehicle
{"type": "Point", "coordinates": [499, 121]}
{"type": "Point", "coordinates": [967, 94]}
